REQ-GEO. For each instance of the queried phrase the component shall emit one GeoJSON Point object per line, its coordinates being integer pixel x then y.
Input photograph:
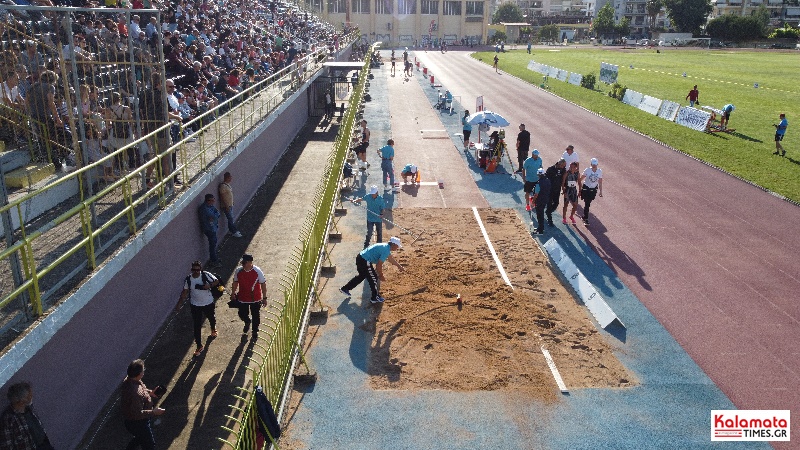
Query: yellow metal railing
{"type": "Point", "coordinates": [275, 352]}
{"type": "Point", "coordinates": [121, 207]}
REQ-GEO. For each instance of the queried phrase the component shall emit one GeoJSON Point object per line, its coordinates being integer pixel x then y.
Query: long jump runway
{"type": "Point", "coordinates": [690, 258]}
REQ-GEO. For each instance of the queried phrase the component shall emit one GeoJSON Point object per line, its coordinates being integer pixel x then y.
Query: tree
{"type": "Point", "coordinates": [508, 12]}
{"type": "Point", "coordinates": [653, 8]}
{"type": "Point", "coordinates": [603, 24]}
{"type": "Point", "coordinates": [688, 15]}
{"type": "Point", "coordinates": [735, 28]}
{"type": "Point", "coordinates": [624, 27]}
{"type": "Point", "coordinates": [549, 33]}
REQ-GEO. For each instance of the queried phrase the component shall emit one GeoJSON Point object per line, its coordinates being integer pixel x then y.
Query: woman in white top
{"type": "Point", "coordinates": [592, 180]}
{"type": "Point", "coordinates": [119, 118]}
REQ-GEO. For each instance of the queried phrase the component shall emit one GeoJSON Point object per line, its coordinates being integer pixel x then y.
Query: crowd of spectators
{"type": "Point", "coordinates": [212, 50]}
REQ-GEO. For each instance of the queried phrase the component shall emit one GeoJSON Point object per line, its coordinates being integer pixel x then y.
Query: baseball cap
{"type": "Point", "coordinates": [396, 241]}
{"type": "Point", "coordinates": [593, 161]}
{"type": "Point", "coordinates": [247, 257]}
{"type": "Point", "coordinates": [373, 190]}
{"type": "Point", "coordinates": [540, 171]}
{"type": "Point", "coordinates": [536, 152]}
{"type": "Point", "coordinates": [178, 95]}
{"type": "Point", "coordinates": [413, 169]}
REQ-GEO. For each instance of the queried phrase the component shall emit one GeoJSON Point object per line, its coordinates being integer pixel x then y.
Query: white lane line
{"type": "Point", "coordinates": [491, 248]}
{"type": "Point", "coordinates": [554, 370]}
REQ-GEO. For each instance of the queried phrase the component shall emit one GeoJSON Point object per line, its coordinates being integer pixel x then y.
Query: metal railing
{"type": "Point", "coordinates": [276, 351]}
{"type": "Point", "coordinates": [44, 258]}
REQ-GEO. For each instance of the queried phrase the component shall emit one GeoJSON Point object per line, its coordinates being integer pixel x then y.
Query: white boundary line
{"type": "Point", "coordinates": [491, 249]}
{"type": "Point", "coordinates": [554, 370]}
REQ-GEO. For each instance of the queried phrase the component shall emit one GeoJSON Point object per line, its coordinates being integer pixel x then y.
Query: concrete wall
{"type": "Point", "coordinates": [77, 356]}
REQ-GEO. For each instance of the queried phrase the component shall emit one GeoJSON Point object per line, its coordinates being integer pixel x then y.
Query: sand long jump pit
{"type": "Point", "coordinates": [423, 339]}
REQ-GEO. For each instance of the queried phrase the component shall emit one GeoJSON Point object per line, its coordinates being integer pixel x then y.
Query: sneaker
{"type": "Point", "coordinates": [237, 234]}
{"type": "Point", "coordinates": [564, 221]}
{"type": "Point", "coordinates": [775, 152]}
{"type": "Point", "coordinates": [528, 207]}
{"type": "Point", "coordinates": [572, 218]}
{"type": "Point", "coordinates": [376, 300]}
{"type": "Point", "coordinates": [344, 291]}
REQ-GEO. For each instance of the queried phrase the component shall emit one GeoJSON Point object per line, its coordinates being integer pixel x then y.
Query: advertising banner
{"type": "Point", "coordinates": [632, 98]}
{"type": "Point", "coordinates": [608, 73]}
{"type": "Point", "coordinates": [693, 118]}
{"type": "Point", "coordinates": [650, 104]}
{"type": "Point", "coordinates": [669, 110]}
{"type": "Point", "coordinates": [575, 78]}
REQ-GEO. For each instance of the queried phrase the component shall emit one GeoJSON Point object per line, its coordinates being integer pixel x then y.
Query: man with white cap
{"type": "Point", "coordinates": [409, 170]}
{"type": "Point", "coordinates": [530, 175]}
{"type": "Point", "coordinates": [374, 254]}
{"type": "Point", "coordinates": [592, 180]}
{"type": "Point", "coordinates": [541, 198]}
{"type": "Point", "coordinates": [374, 203]}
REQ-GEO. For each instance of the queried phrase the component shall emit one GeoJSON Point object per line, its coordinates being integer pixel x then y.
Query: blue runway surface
{"type": "Point", "coordinates": [668, 408]}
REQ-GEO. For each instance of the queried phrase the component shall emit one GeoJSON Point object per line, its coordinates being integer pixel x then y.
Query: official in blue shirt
{"type": "Point", "coordinates": [387, 155]}
{"type": "Point", "coordinates": [374, 203]}
{"type": "Point", "coordinates": [530, 169]}
{"type": "Point", "coordinates": [780, 130]}
{"type": "Point", "coordinates": [374, 254]}
{"type": "Point", "coordinates": [209, 224]}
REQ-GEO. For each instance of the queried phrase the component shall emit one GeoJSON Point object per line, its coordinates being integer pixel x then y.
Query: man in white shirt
{"type": "Point", "coordinates": [134, 28]}
{"type": "Point", "coordinates": [592, 180]}
{"type": "Point", "coordinates": [570, 156]}
{"type": "Point", "coordinates": [197, 288]}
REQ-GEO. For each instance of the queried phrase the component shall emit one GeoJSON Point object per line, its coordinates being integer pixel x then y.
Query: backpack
{"type": "Point", "coordinates": [216, 291]}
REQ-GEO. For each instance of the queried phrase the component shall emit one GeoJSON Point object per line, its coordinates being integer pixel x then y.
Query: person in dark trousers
{"type": "Point", "coordinates": [20, 427]}
{"type": "Point", "coordinates": [466, 128]}
{"type": "Point", "coordinates": [209, 223]}
{"type": "Point", "coordinates": [555, 174]}
{"type": "Point", "coordinates": [197, 288]}
{"type": "Point", "coordinates": [523, 145]}
{"type": "Point", "coordinates": [138, 408]}
{"type": "Point", "coordinates": [591, 185]}
{"type": "Point", "coordinates": [226, 203]}
{"type": "Point", "coordinates": [541, 198]}
{"type": "Point", "coordinates": [374, 254]}
{"type": "Point", "coordinates": [374, 204]}
{"type": "Point", "coordinates": [250, 287]}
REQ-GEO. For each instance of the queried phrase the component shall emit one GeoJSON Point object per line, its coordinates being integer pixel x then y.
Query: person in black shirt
{"type": "Point", "coordinates": [555, 174]}
{"type": "Point", "coordinates": [523, 145]}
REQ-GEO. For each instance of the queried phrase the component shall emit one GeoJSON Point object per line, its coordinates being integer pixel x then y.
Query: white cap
{"type": "Point", "coordinates": [373, 190]}
{"type": "Point", "coordinates": [396, 241]}
{"type": "Point", "coordinates": [593, 161]}
{"type": "Point", "coordinates": [413, 169]}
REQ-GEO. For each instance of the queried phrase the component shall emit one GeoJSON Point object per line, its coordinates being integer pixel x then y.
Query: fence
{"type": "Point", "coordinates": [279, 349]}
{"type": "Point", "coordinates": [45, 256]}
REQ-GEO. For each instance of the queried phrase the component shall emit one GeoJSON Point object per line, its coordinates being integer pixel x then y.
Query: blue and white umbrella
{"type": "Point", "coordinates": [487, 118]}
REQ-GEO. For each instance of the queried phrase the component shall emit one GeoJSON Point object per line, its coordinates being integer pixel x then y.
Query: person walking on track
{"type": "Point", "coordinates": [374, 254]}
{"type": "Point", "coordinates": [541, 198]}
{"type": "Point", "coordinates": [555, 174]}
{"type": "Point", "coordinates": [571, 186]}
{"type": "Point", "coordinates": [197, 288]}
{"type": "Point", "coordinates": [252, 295]}
{"type": "Point", "coordinates": [591, 181]}
{"type": "Point", "coordinates": [496, 61]}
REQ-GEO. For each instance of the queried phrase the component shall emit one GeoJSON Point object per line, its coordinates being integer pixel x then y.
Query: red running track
{"type": "Point", "coordinates": [713, 258]}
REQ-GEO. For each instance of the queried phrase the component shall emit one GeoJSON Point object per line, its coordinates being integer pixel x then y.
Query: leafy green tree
{"type": "Point", "coordinates": [787, 32]}
{"type": "Point", "coordinates": [735, 28]}
{"type": "Point", "coordinates": [508, 12]}
{"type": "Point", "coordinates": [624, 27]}
{"type": "Point", "coordinates": [499, 37]}
{"type": "Point", "coordinates": [549, 33]}
{"type": "Point", "coordinates": [688, 15]}
{"type": "Point", "coordinates": [653, 8]}
{"type": "Point", "coordinates": [603, 24]}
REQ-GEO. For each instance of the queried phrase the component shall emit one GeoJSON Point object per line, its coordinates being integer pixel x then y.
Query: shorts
{"type": "Point", "coordinates": [467, 133]}
{"type": "Point", "coordinates": [362, 147]}
{"type": "Point", "coordinates": [571, 194]}
{"type": "Point", "coordinates": [529, 186]}
{"type": "Point", "coordinates": [726, 115]}
{"type": "Point", "coordinates": [778, 137]}
{"type": "Point", "coordinates": [588, 194]}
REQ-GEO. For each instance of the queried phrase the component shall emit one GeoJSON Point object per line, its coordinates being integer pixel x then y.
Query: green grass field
{"type": "Point", "coordinates": [722, 77]}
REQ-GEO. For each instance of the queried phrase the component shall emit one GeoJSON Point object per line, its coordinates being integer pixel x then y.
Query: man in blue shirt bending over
{"type": "Point", "coordinates": [374, 254]}
{"type": "Point", "coordinates": [374, 203]}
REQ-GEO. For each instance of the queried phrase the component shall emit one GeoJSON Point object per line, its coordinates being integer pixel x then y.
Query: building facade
{"type": "Point", "coordinates": [409, 23]}
{"type": "Point", "coordinates": [780, 11]}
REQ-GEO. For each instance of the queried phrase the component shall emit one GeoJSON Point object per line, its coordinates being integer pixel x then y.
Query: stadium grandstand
{"type": "Point", "coordinates": [115, 116]}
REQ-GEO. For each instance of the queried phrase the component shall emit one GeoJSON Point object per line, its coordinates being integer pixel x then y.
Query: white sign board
{"type": "Point", "coordinates": [604, 315]}
{"type": "Point", "coordinates": [669, 110]}
{"type": "Point", "coordinates": [693, 118]}
{"type": "Point", "coordinates": [553, 72]}
{"type": "Point", "coordinates": [562, 75]}
{"type": "Point", "coordinates": [632, 98]}
{"type": "Point", "coordinates": [575, 78]}
{"type": "Point", "coordinates": [608, 73]}
{"type": "Point", "coordinates": [532, 65]}
{"type": "Point", "coordinates": [650, 104]}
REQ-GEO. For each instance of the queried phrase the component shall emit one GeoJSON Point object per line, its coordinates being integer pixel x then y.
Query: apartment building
{"type": "Point", "coordinates": [780, 11]}
{"type": "Point", "coordinates": [411, 22]}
